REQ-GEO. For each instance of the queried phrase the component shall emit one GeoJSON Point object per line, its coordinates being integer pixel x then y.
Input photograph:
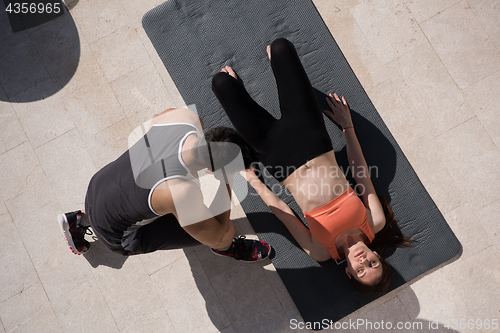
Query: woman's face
{"type": "Point", "coordinates": [364, 265]}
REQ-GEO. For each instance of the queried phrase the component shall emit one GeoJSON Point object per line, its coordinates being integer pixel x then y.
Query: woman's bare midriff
{"type": "Point", "coordinates": [317, 182]}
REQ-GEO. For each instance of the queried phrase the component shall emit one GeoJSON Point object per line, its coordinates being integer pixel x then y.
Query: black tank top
{"type": "Point", "coordinates": [119, 195]}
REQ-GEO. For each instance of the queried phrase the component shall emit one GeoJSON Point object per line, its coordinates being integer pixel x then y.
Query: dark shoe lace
{"type": "Point", "coordinates": [242, 248]}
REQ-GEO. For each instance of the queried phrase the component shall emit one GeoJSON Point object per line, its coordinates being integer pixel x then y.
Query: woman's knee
{"type": "Point", "coordinates": [220, 81]}
{"type": "Point", "coordinates": [281, 46]}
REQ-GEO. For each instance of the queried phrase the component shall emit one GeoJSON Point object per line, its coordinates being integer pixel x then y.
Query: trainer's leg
{"type": "Point", "coordinates": [164, 233]}
{"type": "Point", "coordinates": [296, 94]}
{"type": "Point", "coordinates": [250, 119]}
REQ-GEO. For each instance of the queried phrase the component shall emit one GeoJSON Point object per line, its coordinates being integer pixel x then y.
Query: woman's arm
{"type": "Point", "coordinates": [285, 214]}
{"type": "Point", "coordinates": [359, 169]}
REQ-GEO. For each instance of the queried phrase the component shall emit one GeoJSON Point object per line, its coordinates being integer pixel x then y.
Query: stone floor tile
{"type": "Point", "coordinates": [189, 297]}
{"type": "Point", "coordinates": [425, 9]}
{"type": "Point", "coordinates": [71, 181]}
{"type": "Point", "coordinates": [278, 287]}
{"type": "Point", "coordinates": [58, 44]}
{"type": "Point", "coordinates": [496, 39]}
{"type": "Point", "coordinates": [388, 314]}
{"type": "Point", "coordinates": [487, 13]}
{"type": "Point", "coordinates": [109, 144]}
{"type": "Point", "coordinates": [136, 9]}
{"type": "Point", "coordinates": [212, 264]}
{"type": "Point", "coordinates": [487, 218]}
{"type": "Point", "coordinates": [84, 310]}
{"type": "Point", "coordinates": [98, 19]}
{"type": "Point", "coordinates": [484, 99]}
{"type": "Point", "coordinates": [120, 53]}
{"type": "Point", "coordinates": [57, 267]}
{"type": "Point", "coordinates": [363, 59]}
{"type": "Point", "coordinates": [429, 91]}
{"type": "Point", "coordinates": [377, 19]}
{"type": "Point", "coordinates": [474, 239]}
{"type": "Point", "coordinates": [18, 272]}
{"type": "Point", "coordinates": [21, 174]}
{"type": "Point", "coordinates": [470, 156]}
{"type": "Point", "coordinates": [155, 261]}
{"type": "Point", "coordinates": [352, 3]}
{"type": "Point", "coordinates": [29, 311]}
{"type": "Point", "coordinates": [20, 64]}
{"type": "Point", "coordinates": [44, 119]}
{"type": "Point", "coordinates": [88, 69]}
{"type": "Point", "coordinates": [142, 94]}
{"type": "Point", "coordinates": [476, 279]}
{"type": "Point", "coordinates": [396, 114]}
{"type": "Point", "coordinates": [12, 133]}
{"type": "Point", "coordinates": [3, 208]}
{"type": "Point", "coordinates": [240, 304]}
{"type": "Point", "coordinates": [156, 321]}
{"type": "Point", "coordinates": [463, 46]}
{"type": "Point", "coordinates": [433, 299]}
{"type": "Point", "coordinates": [86, 106]}
{"type": "Point", "coordinates": [5, 28]}
{"type": "Point", "coordinates": [431, 166]}
{"type": "Point", "coordinates": [160, 67]}
{"type": "Point", "coordinates": [228, 329]}
{"type": "Point", "coordinates": [128, 291]}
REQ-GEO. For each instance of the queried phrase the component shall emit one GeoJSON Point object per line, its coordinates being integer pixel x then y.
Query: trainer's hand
{"type": "Point", "coordinates": [340, 110]}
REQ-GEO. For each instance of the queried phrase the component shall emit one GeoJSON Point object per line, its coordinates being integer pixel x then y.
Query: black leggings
{"type": "Point", "coordinates": [164, 233]}
{"type": "Point", "coordinates": [299, 135]}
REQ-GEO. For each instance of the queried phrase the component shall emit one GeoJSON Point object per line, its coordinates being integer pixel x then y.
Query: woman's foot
{"type": "Point", "coordinates": [268, 50]}
{"type": "Point", "coordinates": [229, 71]}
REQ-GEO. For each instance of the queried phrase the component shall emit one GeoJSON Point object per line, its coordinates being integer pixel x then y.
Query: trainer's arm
{"type": "Point", "coordinates": [342, 116]}
{"type": "Point", "coordinates": [192, 214]}
{"type": "Point", "coordinates": [222, 199]}
{"type": "Point", "coordinates": [285, 214]}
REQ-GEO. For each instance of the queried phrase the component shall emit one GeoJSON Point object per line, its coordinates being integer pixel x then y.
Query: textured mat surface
{"type": "Point", "coordinates": [195, 39]}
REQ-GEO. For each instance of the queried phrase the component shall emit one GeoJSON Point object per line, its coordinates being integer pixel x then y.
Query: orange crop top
{"type": "Point", "coordinates": [344, 212]}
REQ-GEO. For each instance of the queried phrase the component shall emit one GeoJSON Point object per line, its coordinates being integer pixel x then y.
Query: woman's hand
{"type": "Point", "coordinates": [249, 174]}
{"type": "Point", "coordinates": [341, 113]}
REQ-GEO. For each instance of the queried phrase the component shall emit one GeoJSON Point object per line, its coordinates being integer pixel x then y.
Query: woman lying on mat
{"type": "Point", "coordinates": [297, 150]}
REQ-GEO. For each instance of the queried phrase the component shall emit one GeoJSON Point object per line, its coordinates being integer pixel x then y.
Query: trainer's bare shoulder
{"type": "Point", "coordinates": [178, 115]}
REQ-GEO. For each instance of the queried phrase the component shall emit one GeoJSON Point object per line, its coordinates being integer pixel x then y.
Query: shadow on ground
{"type": "Point", "coordinates": [244, 292]}
{"type": "Point", "coordinates": [245, 298]}
{"type": "Point", "coordinates": [101, 255]}
{"type": "Point", "coordinates": [42, 54]}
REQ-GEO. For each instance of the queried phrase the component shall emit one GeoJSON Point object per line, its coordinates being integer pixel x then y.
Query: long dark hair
{"type": "Point", "coordinates": [389, 236]}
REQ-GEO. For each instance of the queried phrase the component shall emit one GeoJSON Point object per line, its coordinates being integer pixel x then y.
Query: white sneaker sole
{"type": "Point", "coordinates": [63, 223]}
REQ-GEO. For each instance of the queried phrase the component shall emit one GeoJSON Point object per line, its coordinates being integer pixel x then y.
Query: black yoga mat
{"type": "Point", "coordinates": [195, 39]}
